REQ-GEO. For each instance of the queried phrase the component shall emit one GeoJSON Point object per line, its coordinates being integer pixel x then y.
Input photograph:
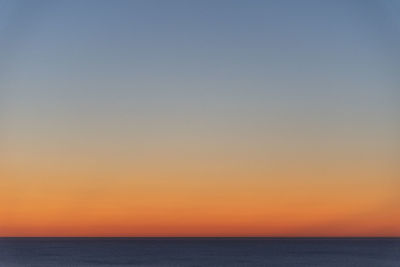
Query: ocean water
{"type": "Point", "coordinates": [54, 252]}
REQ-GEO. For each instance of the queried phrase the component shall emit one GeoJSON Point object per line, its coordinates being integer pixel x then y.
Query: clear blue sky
{"type": "Point", "coordinates": [238, 84]}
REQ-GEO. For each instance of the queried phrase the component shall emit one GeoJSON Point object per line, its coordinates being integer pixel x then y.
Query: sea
{"type": "Point", "coordinates": [71, 252]}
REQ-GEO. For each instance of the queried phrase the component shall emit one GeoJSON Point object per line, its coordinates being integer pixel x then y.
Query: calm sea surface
{"type": "Point", "coordinates": [43, 252]}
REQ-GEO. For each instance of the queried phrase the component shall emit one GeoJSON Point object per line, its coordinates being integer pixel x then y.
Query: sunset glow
{"type": "Point", "coordinates": [141, 119]}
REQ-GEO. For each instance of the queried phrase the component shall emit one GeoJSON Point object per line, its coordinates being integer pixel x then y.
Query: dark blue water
{"type": "Point", "coordinates": [43, 252]}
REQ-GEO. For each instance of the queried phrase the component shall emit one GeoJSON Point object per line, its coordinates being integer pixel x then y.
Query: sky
{"type": "Point", "coordinates": [199, 118]}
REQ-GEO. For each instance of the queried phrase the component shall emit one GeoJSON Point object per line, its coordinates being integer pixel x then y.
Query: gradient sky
{"type": "Point", "coordinates": [199, 118]}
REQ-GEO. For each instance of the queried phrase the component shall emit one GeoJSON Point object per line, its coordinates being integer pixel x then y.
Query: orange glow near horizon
{"type": "Point", "coordinates": [253, 202]}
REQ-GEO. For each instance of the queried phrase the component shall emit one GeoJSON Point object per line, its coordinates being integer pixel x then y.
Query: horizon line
{"type": "Point", "coordinates": [212, 237]}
